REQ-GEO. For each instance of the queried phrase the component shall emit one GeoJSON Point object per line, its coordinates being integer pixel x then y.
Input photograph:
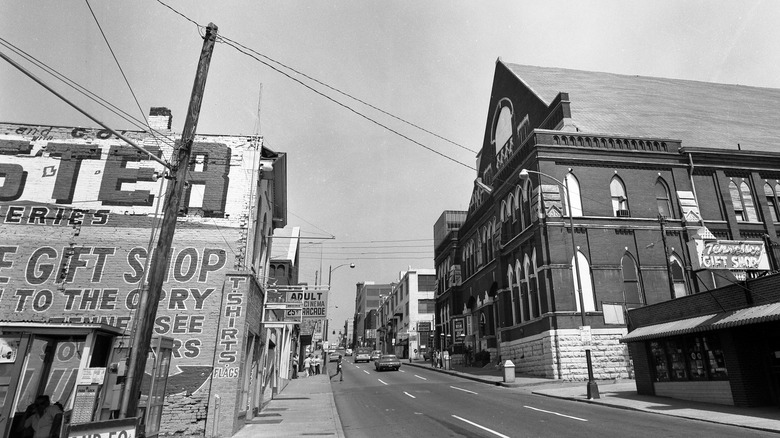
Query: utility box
{"type": "Point", "coordinates": [509, 371]}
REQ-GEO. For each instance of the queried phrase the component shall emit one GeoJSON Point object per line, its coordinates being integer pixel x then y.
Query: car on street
{"type": "Point", "coordinates": [387, 362]}
{"type": "Point", "coordinates": [349, 352]}
{"type": "Point", "coordinates": [333, 357]}
{"type": "Point", "coordinates": [362, 354]}
{"type": "Point", "coordinates": [375, 354]}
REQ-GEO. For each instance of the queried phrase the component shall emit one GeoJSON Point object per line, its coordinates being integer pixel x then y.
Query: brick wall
{"type": "Point", "coordinates": [76, 218]}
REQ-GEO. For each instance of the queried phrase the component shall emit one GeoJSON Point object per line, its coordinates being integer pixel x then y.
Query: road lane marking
{"type": "Point", "coordinates": [410, 395]}
{"type": "Point", "coordinates": [556, 413]}
{"type": "Point", "coordinates": [420, 377]}
{"type": "Point", "coordinates": [380, 381]}
{"type": "Point", "coordinates": [464, 390]}
{"type": "Point", "coordinates": [481, 427]}
{"type": "Point", "coordinates": [366, 371]}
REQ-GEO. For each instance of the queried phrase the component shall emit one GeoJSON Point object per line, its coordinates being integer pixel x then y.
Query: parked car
{"type": "Point", "coordinates": [349, 352]}
{"type": "Point", "coordinates": [362, 355]}
{"type": "Point", "coordinates": [375, 354]}
{"type": "Point", "coordinates": [387, 362]}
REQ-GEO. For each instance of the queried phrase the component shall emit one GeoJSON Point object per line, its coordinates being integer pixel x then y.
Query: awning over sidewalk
{"type": "Point", "coordinates": [714, 321]}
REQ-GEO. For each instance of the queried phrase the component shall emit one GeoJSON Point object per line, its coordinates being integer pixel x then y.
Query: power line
{"type": "Point", "coordinates": [81, 89]}
{"type": "Point", "coordinates": [123, 72]}
{"type": "Point", "coordinates": [245, 50]}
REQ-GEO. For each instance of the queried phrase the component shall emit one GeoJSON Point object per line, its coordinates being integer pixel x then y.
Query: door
{"type": "Point", "coordinates": [13, 350]}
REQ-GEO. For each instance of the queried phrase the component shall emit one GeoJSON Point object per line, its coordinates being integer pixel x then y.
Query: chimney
{"type": "Point", "coordinates": [160, 118]}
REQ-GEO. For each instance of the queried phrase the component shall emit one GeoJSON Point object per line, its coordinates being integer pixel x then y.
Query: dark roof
{"type": "Point", "coordinates": [701, 114]}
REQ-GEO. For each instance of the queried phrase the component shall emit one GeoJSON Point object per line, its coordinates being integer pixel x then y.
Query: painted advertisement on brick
{"type": "Point", "coordinates": [77, 213]}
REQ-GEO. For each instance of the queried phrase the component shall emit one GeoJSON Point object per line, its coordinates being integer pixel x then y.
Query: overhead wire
{"type": "Point", "coordinates": [83, 90]}
{"type": "Point", "coordinates": [256, 56]}
{"type": "Point", "coordinates": [123, 73]}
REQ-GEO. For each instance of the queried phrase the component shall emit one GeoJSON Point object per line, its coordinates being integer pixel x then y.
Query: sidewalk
{"type": "Point", "coordinates": [622, 394]}
{"type": "Point", "coordinates": [304, 407]}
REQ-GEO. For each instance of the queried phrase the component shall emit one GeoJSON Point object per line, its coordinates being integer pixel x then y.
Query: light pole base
{"type": "Point", "coordinates": [593, 390]}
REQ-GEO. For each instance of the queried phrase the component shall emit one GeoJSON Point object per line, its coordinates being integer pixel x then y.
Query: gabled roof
{"type": "Point", "coordinates": [701, 114]}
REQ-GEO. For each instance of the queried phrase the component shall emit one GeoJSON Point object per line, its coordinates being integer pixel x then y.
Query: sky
{"type": "Point", "coordinates": [372, 182]}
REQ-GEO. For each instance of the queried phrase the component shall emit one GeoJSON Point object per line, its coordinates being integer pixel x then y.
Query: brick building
{"type": "Point", "coordinates": [78, 210]}
{"type": "Point", "coordinates": [649, 164]}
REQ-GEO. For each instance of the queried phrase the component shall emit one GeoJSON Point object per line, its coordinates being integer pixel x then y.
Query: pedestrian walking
{"type": "Point", "coordinates": [307, 365]}
{"type": "Point", "coordinates": [317, 364]}
{"type": "Point", "coordinates": [295, 366]}
{"type": "Point", "coordinates": [338, 371]}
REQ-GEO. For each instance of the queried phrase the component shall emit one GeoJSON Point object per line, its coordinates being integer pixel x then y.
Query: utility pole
{"type": "Point", "coordinates": [148, 303]}
{"type": "Point", "coordinates": [662, 221]}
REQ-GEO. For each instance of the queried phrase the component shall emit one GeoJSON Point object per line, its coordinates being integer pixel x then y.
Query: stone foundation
{"type": "Point", "coordinates": [559, 354]}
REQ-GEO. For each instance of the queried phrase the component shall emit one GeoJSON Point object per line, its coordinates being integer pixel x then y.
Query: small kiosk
{"type": "Point", "coordinates": [81, 368]}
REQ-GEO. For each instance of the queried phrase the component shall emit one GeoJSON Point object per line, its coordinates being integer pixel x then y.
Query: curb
{"type": "Point", "coordinates": [666, 414]}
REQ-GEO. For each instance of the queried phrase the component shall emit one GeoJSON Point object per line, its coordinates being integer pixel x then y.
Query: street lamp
{"type": "Point", "coordinates": [331, 269]}
{"type": "Point", "coordinates": [593, 387]}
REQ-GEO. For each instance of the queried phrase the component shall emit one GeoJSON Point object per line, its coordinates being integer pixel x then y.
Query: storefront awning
{"type": "Point", "coordinates": [715, 321]}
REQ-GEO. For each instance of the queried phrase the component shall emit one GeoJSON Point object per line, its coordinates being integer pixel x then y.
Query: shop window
{"type": "Point", "coordinates": [662, 198]}
{"type": "Point", "coordinates": [716, 361]}
{"type": "Point", "coordinates": [697, 358]}
{"type": "Point", "coordinates": [683, 358]}
{"type": "Point", "coordinates": [660, 364]}
{"type": "Point", "coordinates": [676, 355]}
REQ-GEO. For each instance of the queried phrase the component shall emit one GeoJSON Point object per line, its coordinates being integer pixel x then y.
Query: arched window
{"type": "Point", "coordinates": [771, 201]}
{"type": "Point", "coordinates": [587, 283]}
{"type": "Point", "coordinates": [518, 302]}
{"type": "Point", "coordinates": [516, 214]}
{"type": "Point", "coordinates": [573, 186]}
{"type": "Point", "coordinates": [527, 204]}
{"type": "Point", "coordinates": [510, 275]}
{"type": "Point", "coordinates": [619, 200]}
{"type": "Point", "coordinates": [742, 200]}
{"type": "Point", "coordinates": [536, 303]}
{"type": "Point", "coordinates": [662, 198]}
{"type": "Point", "coordinates": [632, 287]}
{"type": "Point", "coordinates": [678, 276]}
{"type": "Point", "coordinates": [503, 130]}
{"type": "Point", "coordinates": [526, 288]}
{"type": "Point", "coordinates": [747, 199]}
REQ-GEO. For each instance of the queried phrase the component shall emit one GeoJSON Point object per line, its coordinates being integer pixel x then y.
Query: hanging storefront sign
{"type": "Point", "coordinates": [728, 254]}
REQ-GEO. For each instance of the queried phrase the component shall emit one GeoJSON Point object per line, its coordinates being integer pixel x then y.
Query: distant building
{"type": "Point", "coordinates": [407, 314]}
{"type": "Point", "coordinates": [367, 297]}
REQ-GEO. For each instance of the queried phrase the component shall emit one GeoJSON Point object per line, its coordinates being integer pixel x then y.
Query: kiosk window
{"type": "Point", "coordinates": [693, 357]}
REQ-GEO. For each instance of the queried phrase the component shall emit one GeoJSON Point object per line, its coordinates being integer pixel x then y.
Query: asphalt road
{"type": "Point", "coordinates": [416, 402]}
